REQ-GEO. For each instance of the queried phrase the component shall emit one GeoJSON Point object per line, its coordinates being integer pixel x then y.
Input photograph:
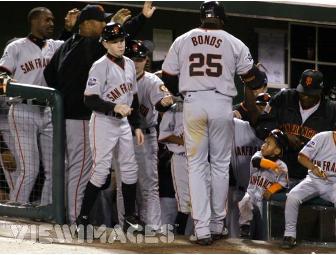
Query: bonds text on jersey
{"type": "Point", "coordinates": [206, 39]}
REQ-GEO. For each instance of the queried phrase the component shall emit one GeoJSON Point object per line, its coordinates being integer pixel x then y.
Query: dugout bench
{"type": "Point", "coordinates": [316, 219]}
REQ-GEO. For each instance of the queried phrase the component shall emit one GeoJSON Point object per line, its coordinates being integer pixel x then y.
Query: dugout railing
{"type": "Point", "coordinates": [54, 212]}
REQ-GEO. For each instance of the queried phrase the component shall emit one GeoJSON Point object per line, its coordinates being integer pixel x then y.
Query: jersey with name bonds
{"type": "Point", "coordinates": [112, 82]}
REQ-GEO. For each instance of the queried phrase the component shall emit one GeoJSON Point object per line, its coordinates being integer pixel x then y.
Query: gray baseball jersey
{"type": "Point", "coordinates": [321, 149]}
{"type": "Point", "coordinates": [150, 91]}
{"type": "Point", "coordinates": [117, 84]}
{"type": "Point", "coordinates": [26, 61]}
{"type": "Point", "coordinates": [245, 145]}
{"type": "Point", "coordinates": [261, 179]}
{"type": "Point", "coordinates": [207, 60]}
{"type": "Point", "coordinates": [172, 124]}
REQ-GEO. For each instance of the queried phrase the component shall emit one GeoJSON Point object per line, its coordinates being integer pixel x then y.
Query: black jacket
{"type": "Point", "coordinates": [69, 68]}
{"type": "Point", "coordinates": [285, 115]}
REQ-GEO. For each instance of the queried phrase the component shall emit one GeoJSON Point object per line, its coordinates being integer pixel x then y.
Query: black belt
{"type": "Point", "coordinates": [146, 131]}
{"type": "Point", "coordinates": [33, 102]}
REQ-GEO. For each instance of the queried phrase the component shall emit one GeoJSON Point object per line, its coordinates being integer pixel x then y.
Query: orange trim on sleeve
{"type": "Point", "coordinates": [274, 188]}
{"type": "Point", "coordinates": [268, 164]}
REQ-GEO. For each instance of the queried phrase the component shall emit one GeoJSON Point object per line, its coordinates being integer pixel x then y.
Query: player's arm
{"type": "Point", "coordinates": [95, 103]}
{"type": "Point", "coordinates": [308, 163]}
{"type": "Point", "coordinates": [134, 117]}
{"type": "Point", "coordinates": [270, 191]}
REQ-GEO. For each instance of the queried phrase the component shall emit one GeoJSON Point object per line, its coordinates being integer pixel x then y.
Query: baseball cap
{"type": "Point", "coordinates": [311, 82]}
{"type": "Point", "coordinates": [95, 12]}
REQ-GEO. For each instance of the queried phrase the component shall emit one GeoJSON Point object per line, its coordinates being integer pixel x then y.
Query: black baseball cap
{"type": "Point", "coordinates": [93, 12]}
{"type": "Point", "coordinates": [311, 82]}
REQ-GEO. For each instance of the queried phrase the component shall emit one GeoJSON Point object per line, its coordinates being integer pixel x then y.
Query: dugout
{"type": "Point", "coordinates": [305, 31]}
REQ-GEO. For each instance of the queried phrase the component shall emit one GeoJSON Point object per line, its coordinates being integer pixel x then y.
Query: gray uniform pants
{"type": "Point", "coordinates": [305, 190]}
{"type": "Point", "coordinates": [31, 128]}
{"type": "Point", "coordinates": [78, 165]}
{"type": "Point", "coordinates": [208, 133]}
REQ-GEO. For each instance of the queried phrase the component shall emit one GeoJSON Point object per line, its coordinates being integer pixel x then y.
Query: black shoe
{"type": "Point", "coordinates": [133, 224]}
{"type": "Point", "coordinates": [223, 235]}
{"type": "Point", "coordinates": [204, 241]}
{"type": "Point", "coordinates": [288, 242]}
{"type": "Point", "coordinates": [245, 231]}
{"type": "Point", "coordinates": [82, 223]}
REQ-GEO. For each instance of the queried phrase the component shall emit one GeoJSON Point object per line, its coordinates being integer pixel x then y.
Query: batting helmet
{"type": "Point", "coordinates": [212, 9]}
{"type": "Point", "coordinates": [113, 31]}
{"type": "Point", "coordinates": [280, 137]}
{"type": "Point", "coordinates": [136, 49]}
{"type": "Point", "coordinates": [263, 99]}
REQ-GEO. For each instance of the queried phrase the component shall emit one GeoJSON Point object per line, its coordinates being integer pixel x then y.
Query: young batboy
{"type": "Point", "coordinates": [268, 175]}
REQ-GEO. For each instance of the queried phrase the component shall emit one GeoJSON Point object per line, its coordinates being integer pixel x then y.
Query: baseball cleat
{"type": "Point", "coordinates": [288, 242]}
{"type": "Point", "coordinates": [201, 241]}
{"type": "Point", "coordinates": [133, 224]}
{"type": "Point", "coordinates": [245, 231]}
{"type": "Point", "coordinates": [218, 236]}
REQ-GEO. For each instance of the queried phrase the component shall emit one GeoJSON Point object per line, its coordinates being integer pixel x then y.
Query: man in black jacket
{"type": "Point", "coordinates": [301, 113]}
{"type": "Point", "coordinates": [68, 72]}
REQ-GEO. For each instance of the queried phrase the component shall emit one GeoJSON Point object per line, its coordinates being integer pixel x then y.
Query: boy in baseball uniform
{"type": "Point", "coordinates": [153, 97]}
{"type": "Point", "coordinates": [268, 175]}
{"type": "Point", "coordinates": [111, 94]}
{"type": "Point", "coordinates": [171, 133]}
{"type": "Point", "coordinates": [319, 156]}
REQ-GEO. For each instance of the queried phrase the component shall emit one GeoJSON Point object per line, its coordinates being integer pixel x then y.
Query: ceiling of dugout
{"type": "Point", "coordinates": [278, 10]}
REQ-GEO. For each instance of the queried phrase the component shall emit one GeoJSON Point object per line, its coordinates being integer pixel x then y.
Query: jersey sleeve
{"type": "Point", "coordinates": [135, 83]}
{"type": "Point", "coordinates": [171, 63]}
{"type": "Point", "coordinates": [283, 178]}
{"type": "Point", "coordinates": [167, 125]}
{"type": "Point", "coordinates": [158, 90]}
{"type": "Point", "coordinates": [96, 80]}
{"type": "Point", "coordinates": [244, 60]}
{"type": "Point", "coordinates": [9, 58]}
{"type": "Point", "coordinates": [312, 147]}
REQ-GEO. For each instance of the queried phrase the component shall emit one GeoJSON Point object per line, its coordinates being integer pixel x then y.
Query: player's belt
{"type": "Point", "coordinates": [33, 102]}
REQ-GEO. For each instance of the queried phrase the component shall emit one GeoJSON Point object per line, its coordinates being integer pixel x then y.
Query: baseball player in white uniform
{"type": "Point", "coordinates": [25, 59]}
{"type": "Point", "coordinates": [268, 175]}
{"type": "Point", "coordinates": [202, 63]}
{"type": "Point", "coordinates": [171, 133]}
{"type": "Point", "coordinates": [111, 90]}
{"type": "Point", "coordinates": [319, 156]}
{"type": "Point", "coordinates": [152, 95]}
{"type": "Point", "coordinates": [245, 145]}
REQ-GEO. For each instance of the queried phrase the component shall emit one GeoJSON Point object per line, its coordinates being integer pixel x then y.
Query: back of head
{"type": "Point", "coordinates": [113, 31]}
{"type": "Point", "coordinates": [136, 49]}
{"type": "Point", "coordinates": [212, 12]}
